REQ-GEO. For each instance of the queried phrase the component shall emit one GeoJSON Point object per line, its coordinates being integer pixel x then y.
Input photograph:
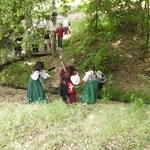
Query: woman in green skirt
{"type": "Point", "coordinates": [93, 80]}
{"type": "Point", "coordinates": [35, 92]}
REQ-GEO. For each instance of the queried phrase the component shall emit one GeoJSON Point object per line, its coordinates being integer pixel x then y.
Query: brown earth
{"type": "Point", "coordinates": [132, 67]}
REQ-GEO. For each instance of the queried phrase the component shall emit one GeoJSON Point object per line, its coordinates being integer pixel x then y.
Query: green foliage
{"type": "Point", "coordinates": [4, 53]}
{"type": "Point", "coordinates": [144, 78]}
{"type": "Point", "coordinates": [92, 51]}
{"type": "Point", "coordinates": [117, 94]}
{"type": "Point", "coordinates": [137, 106]}
{"type": "Point", "coordinates": [108, 36]}
{"type": "Point", "coordinates": [16, 75]}
{"type": "Point", "coordinates": [64, 8]}
{"type": "Point", "coordinates": [17, 16]}
{"type": "Point", "coordinates": [104, 96]}
{"type": "Point", "coordinates": [137, 102]}
{"type": "Point", "coordinates": [83, 44]}
{"type": "Point", "coordinates": [101, 58]}
{"type": "Point", "coordinates": [125, 16]}
{"type": "Point", "coordinates": [74, 47]}
{"type": "Point", "coordinates": [35, 37]}
{"type": "Point", "coordinates": [80, 47]}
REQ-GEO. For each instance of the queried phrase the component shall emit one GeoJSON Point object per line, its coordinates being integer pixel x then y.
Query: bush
{"type": "Point", "coordinates": [117, 94]}
{"type": "Point", "coordinates": [101, 58]}
{"type": "Point", "coordinates": [16, 74]}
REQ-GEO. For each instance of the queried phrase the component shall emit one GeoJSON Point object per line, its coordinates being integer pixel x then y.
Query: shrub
{"type": "Point", "coordinates": [117, 94]}
{"type": "Point", "coordinates": [101, 58]}
{"type": "Point", "coordinates": [16, 74]}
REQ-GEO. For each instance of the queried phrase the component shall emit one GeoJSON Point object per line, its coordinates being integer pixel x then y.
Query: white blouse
{"type": "Point", "coordinates": [94, 76]}
{"type": "Point", "coordinates": [89, 76]}
{"type": "Point", "coordinates": [36, 74]}
{"type": "Point", "coordinates": [75, 79]}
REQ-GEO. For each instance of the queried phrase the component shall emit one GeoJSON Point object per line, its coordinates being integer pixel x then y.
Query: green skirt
{"type": "Point", "coordinates": [35, 92]}
{"type": "Point", "coordinates": [90, 92]}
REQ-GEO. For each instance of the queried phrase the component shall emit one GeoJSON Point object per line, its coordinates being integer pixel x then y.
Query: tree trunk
{"type": "Point", "coordinates": [147, 28]}
{"type": "Point", "coordinates": [53, 42]}
{"type": "Point", "coordinates": [96, 21]}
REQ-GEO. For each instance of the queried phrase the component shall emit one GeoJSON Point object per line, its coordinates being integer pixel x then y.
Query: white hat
{"type": "Point", "coordinates": [75, 79]}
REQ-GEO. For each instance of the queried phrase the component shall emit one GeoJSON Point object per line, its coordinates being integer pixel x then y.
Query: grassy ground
{"type": "Point", "coordinates": [57, 126]}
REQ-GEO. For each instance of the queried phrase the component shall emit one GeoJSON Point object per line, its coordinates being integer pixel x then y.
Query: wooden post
{"type": "Point", "coordinates": [53, 42]}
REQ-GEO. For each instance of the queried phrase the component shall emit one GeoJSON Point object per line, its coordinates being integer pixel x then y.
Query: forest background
{"type": "Point", "coordinates": [111, 34]}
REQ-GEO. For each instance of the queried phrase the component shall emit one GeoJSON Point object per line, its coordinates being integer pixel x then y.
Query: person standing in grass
{"type": "Point", "coordinates": [35, 91]}
{"type": "Point", "coordinates": [66, 25]}
{"type": "Point", "coordinates": [60, 30]}
{"type": "Point", "coordinates": [47, 40]}
{"type": "Point", "coordinates": [94, 79]}
{"type": "Point", "coordinates": [74, 80]}
{"type": "Point", "coordinates": [54, 17]}
{"type": "Point", "coordinates": [68, 78]}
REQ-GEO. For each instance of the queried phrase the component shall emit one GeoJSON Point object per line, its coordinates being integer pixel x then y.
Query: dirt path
{"type": "Point", "coordinates": [19, 96]}
{"type": "Point", "coordinates": [12, 95]}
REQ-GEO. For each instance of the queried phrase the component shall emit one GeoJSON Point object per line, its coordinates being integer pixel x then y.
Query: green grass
{"type": "Point", "coordinates": [57, 126]}
{"type": "Point", "coordinates": [16, 74]}
{"type": "Point", "coordinates": [92, 47]}
{"type": "Point", "coordinates": [117, 94]}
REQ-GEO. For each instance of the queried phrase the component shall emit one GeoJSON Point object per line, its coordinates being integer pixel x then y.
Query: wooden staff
{"type": "Point", "coordinates": [63, 66]}
{"type": "Point", "coordinates": [52, 68]}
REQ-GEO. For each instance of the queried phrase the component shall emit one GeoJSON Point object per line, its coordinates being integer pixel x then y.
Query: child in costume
{"type": "Point", "coordinates": [74, 80]}
{"type": "Point", "coordinates": [68, 79]}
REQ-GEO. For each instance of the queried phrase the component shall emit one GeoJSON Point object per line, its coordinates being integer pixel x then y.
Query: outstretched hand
{"type": "Point", "coordinates": [81, 82]}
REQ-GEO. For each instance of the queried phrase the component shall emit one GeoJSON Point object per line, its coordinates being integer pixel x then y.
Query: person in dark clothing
{"type": "Point", "coordinates": [65, 83]}
{"type": "Point", "coordinates": [35, 48]}
{"type": "Point", "coordinates": [54, 17]}
{"type": "Point", "coordinates": [48, 41]}
{"type": "Point", "coordinates": [18, 47]}
{"type": "Point", "coordinates": [35, 45]}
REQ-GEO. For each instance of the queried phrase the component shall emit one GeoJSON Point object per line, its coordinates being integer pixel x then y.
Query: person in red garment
{"type": "Point", "coordinates": [68, 78]}
{"type": "Point", "coordinates": [60, 30]}
{"type": "Point", "coordinates": [74, 80]}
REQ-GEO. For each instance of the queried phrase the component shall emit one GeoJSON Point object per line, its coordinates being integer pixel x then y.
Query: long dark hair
{"type": "Point", "coordinates": [93, 68]}
{"type": "Point", "coordinates": [70, 69]}
{"type": "Point", "coordinates": [38, 66]}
